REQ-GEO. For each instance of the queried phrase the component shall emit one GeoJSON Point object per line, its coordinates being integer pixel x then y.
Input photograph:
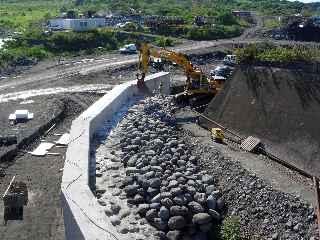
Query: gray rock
{"type": "Point", "coordinates": [206, 227]}
{"type": "Point", "coordinates": [180, 200]}
{"type": "Point", "coordinates": [102, 202]}
{"type": "Point", "coordinates": [207, 179]}
{"type": "Point", "coordinates": [173, 184]}
{"type": "Point", "coordinates": [174, 235]}
{"type": "Point", "coordinates": [152, 192]}
{"type": "Point", "coordinates": [297, 227]}
{"type": "Point", "coordinates": [132, 161]}
{"type": "Point", "coordinates": [108, 211]}
{"type": "Point", "coordinates": [115, 220]}
{"type": "Point", "coordinates": [155, 182]}
{"type": "Point", "coordinates": [192, 190]}
{"type": "Point", "coordinates": [211, 202]}
{"type": "Point", "coordinates": [176, 222]}
{"type": "Point", "coordinates": [155, 206]}
{"type": "Point", "coordinates": [210, 189]}
{"type": "Point", "coordinates": [275, 236]}
{"type": "Point", "coordinates": [160, 224]}
{"type": "Point", "coordinates": [124, 214]}
{"type": "Point", "coordinates": [173, 143]}
{"type": "Point", "coordinates": [191, 182]}
{"type": "Point", "coordinates": [131, 190]}
{"type": "Point", "coordinates": [143, 208]}
{"type": "Point", "coordinates": [179, 211]}
{"type": "Point", "coordinates": [220, 204]}
{"type": "Point", "coordinates": [214, 214]}
{"type": "Point", "coordinates": [115, 208]}
{"type": "Point", "coordinates": [156, 199]}
{"type": "Point", "coordinates": [132, 170]}
{"type": "Point", "coordinates": [176, 191]}
{"type": "Point", "coordinates": [181, 163]}
{"type": "Point", "coordinates": [151, 214]}
{"type": "Point", "coordinates": [128, 180]}
{"type": "Point", "coordinates": [150, 153]}
{"type": "Point", "coordinates": [115, 166]}
{"type": "Point", "coordinates": [200, 198]}
{"type": "Point", "coordinates": [160, 234]}
{"type": "Point", "coordinates": [116, 192]}
{"type": "Point", "coordinates": [167, 202]}
{"type": "Point", "coordinates": [164, 213]}
{"type": "Point", "coordinates": [137, 199]}
{"type": "Point", "coordinates": [200, 236]}
{"type": "Point", "coordinates": [124, 230]}
{"type": "Point", "coordinates": [195, 207]}
{"type": "Point", "coordinates": [201, 218]}
{"type": "Point", "coordinates": [150, 174]}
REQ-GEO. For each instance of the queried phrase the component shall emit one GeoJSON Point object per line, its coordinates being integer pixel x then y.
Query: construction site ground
{"type": "Point", "coordinates": [43, 217]}
{"type": "Point", "coordinates": [78, 83]}
{"type": "Point", "coordinates": [279, 177]}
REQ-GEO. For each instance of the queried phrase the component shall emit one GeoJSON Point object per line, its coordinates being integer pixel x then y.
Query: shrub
{"type": "Point", "coordinates": [269, 53]}
{"type": "Point", "coordinates": [163, 41]}
{"type": "Point", "coordinates": [231, 228]}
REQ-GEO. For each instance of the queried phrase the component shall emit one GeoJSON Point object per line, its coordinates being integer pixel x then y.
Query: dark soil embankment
{"type": "Point", "coordinates": [280, 106]}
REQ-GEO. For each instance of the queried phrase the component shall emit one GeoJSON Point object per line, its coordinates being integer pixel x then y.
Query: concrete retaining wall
{"type": "Point", "coordinates": [83, 217]}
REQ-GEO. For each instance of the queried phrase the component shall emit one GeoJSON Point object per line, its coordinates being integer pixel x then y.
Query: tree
{"type": "Point", "coordinates": [226, 18]}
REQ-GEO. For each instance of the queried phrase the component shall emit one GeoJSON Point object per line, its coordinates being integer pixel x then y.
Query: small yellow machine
{"type": "Point", "coordinates": [217, 135]}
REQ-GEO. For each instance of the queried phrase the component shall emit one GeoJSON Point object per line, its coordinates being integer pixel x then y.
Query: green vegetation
{"type": "Point", "coordinates": [271, 23]}
{"type": "Point", "coordinates": [34, 45]}
{"type": "Point", "coordinates": [231, 229]}
{"type": "Point", "coordinates": [188, 8]}
{"type": "Point", "coordinates": [19, 15]}
{"type": "Point", "coordinates": [269, 53]}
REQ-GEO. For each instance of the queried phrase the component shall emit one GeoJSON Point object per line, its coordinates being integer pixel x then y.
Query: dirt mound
{"type": "Point", "coordinates": [280, 106]}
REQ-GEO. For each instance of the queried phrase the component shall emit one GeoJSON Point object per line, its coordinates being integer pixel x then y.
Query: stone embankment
{"type": "Point", "coordinates": [150, 175]}
{"type": "Point", "coordinates": [151, 183]}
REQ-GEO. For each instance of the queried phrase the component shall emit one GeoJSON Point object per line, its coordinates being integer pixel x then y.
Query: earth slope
{"type": "Point", "coordinates": [280, 106]}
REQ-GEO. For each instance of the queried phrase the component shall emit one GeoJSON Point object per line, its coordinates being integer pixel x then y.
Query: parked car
{"type": "Point", "coordinates": [230, 60]}
{"type": "Point", "coordinates": [221, 71]}
{"type": "Point", "coordinates": [128, 49]}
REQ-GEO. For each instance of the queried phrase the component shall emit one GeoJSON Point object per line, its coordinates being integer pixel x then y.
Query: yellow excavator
{"type": "Point", "coordinates": [197, 85]}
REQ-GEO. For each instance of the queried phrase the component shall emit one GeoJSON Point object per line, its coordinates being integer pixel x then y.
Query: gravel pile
{"type": "Point", "coordinates": [263, 211]}
{"type": "Point", "coordinates": [158, 177]}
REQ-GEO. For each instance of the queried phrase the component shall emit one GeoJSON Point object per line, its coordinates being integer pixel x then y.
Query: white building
{"type": "Point", "coordinates": [78, 24]}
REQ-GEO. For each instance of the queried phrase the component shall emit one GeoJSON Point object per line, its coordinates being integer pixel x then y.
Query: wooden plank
{"type": "Point", "coordinates": [5, 193]}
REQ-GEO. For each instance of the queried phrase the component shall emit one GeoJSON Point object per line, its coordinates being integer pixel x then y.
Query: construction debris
{"type": "Point", "coordinates": [14, 198]}
{"type": "Point", "coordinates": [64, 140]}
{"type": "Point", "coordinates": [42, 149]}
{"type": "Point", "coordinates": [251, 144]}
{"type": "Point", "coordinates": [20, 116]}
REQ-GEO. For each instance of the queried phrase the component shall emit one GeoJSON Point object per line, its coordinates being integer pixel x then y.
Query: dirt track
{"type": "Point", "coordinates": [280, 106]}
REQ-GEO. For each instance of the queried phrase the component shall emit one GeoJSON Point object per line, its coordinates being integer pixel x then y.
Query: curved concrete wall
{"type": "Point", "coordinates": [83, 217]}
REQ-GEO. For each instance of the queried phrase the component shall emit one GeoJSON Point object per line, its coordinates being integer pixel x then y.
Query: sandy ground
{"type": "Point", "coordinates": [43, 217]}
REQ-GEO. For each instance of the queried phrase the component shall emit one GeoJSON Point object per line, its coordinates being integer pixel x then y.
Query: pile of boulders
{"type": "Point", "coordinates": [263, 211]}
{"type": "Point", "coordinates": [162, 174]}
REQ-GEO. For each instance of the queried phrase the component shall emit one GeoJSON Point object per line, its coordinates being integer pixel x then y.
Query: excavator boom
{"type": "Point", "coordinates": [196, 83]}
